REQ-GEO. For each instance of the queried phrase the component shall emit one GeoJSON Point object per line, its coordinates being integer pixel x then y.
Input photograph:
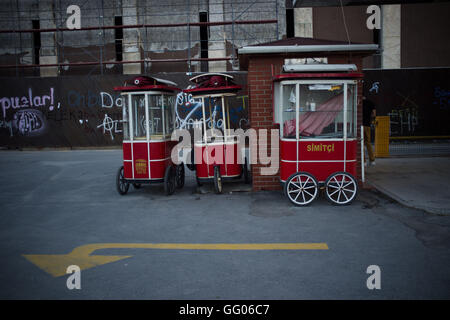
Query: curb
{"type": "Point", "coordinates": [435, 211]}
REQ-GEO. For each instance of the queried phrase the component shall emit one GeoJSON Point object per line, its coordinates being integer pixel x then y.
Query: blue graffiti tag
{"type": "Point", "coordinates": [442, 98]}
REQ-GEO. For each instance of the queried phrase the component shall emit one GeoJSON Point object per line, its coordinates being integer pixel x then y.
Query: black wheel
{"type": "Point", "coordinates": [217, 180]}
{"type": "Point", "coordinates": [180, 176]}
{"type": "Point", "coordinates": [301, 188]}
{"type": "Point", "coordinates": [246, 172]}
{"type": "Point", "coordinates": [169, 180]}
{"type": "Point", "coordinates": [137, 185]}
{"type": "Point", "coordinates": [121, 183]}
{"type": "Point", "coordinates": [341, 188]}
{"type": "Point", "coordinates": [198, 182]}
{"type": "Point", "coordinates": [191, 166]}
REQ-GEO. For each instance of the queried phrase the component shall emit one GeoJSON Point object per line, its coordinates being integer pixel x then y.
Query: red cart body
{"type": "Point", "coordinates": [225, 156]}
{"type": "Point", "coordinates": [216, 153]}
{"type": "Point", "coordinates": [136, 156]}
{"type": "Point", "coordinates": [319, 157]}
{"type": "Point", "coordinates": [148, 123]}
{"type": "Point", "coordinates": [317, 113]}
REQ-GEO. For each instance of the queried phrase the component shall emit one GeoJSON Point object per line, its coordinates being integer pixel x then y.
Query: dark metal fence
{"type": "Point", "coordinates": [417, 102]}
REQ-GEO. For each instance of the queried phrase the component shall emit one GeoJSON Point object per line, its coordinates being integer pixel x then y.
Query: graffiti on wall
{"type": "Point", "coordinates": [419, 106]}
{"type": "Point", "coordinates": [441, 98]}
{"type": "Point", "coordinates": [85, 111]}
{"type": "Point", "coordinates": [29, 119]}
{"type": "Point", "coordinates": [29, 114]}
{"type": "Point", "coordinates": [375, 87]}
{"type": "Point", "coordinates": [28, 100]}
{"type": "Point", "coordinates": [93, 99]}
{"type": "Point", "coordinates": [29, 122]}
{"type": "Point", "coordinates": [110, 126]}
{"type": "Point", "coordinates": [405, 118]}
{"type": "Point", "coordinates": [403, 121]}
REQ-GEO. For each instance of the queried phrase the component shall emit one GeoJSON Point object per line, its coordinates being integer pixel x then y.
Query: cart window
{"type": "Point", "coordinates": [168, 104]}
{"type": "Point", "coordinates": [289, 99]}
{"type": "Point", "coordinates": [321, 110]}
{"type": "Point", "coordinates": [214, 118]}
{"type": "Point", "coordinates": [351, 111]}
{"type": "Point", "coordinates": [155, 113]}
{"type": "Point", "coordinates": [138, 109]}
{"type": "Point", "coordinates": [125, 120]}
{"type": "Point", "coordinates": [234, 108]}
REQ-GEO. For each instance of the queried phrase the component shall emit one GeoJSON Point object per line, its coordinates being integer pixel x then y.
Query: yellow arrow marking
{"type": "Point", "coordinates": [56, 264]}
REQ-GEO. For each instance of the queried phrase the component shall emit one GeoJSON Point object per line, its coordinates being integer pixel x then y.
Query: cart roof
{"type": "Point", "coordinates": [212, 83]}
{"type": "Point", "coordinates": [206, 76]}
{"type": "Point", "coordinates": [147, 83]}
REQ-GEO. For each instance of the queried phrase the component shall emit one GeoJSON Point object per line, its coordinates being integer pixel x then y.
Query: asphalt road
{"type": "Point", "coordinates": [55, 201]}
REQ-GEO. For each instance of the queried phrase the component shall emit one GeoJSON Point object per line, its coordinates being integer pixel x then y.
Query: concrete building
{"type": "Point", "coordinates": [132, 36]}
{"type": "Point", "coordinates": [411, 32]}
{"type": "Point", "coordinates": [137, 36]}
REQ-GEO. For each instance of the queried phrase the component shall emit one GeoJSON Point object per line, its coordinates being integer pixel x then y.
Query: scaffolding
{"type": "Point", "coordinates": [132, 36]}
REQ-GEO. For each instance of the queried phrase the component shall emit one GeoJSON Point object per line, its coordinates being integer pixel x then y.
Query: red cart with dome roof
{"type": "Point", "coordinates": [316, 107]}
{"type": "Point", "coordinates": [148, 123]}
{"type": "Point", "coordinates": [216, 153]}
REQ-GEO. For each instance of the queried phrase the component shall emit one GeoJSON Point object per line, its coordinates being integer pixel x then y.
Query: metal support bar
{"type": "Point", "coordinates": [90, 63]}
{"type": "Point", "coordinates": [172, 25]}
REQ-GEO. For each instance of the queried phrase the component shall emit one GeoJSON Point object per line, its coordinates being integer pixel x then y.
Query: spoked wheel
{"type": "Point", "coordinates": [170, 180]}
{"type": "Point", "coordinates": [121, 183]}
{"type": "Point", "coordinates": [217, 180]}
{"type": "Point", "coordinates": [180, 176]}
{"type": "Point", "coordinates": [341, 188]}
{"type": "Point", "coordinates": [301, 188]}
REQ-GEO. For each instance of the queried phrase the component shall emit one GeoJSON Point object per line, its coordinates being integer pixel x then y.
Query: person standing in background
{"type": "Point", "coordinates": [369, 112]}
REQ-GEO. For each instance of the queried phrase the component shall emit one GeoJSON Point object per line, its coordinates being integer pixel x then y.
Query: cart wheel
{"type": "Point", "coordinates": [246, 172]}
{"type": "Point", "coordinates": [180, 176]}
{"type": "Point", "coordinates": [169, 180]}
{"type": "Point", "coordinates": [137, 185]}
{"type": "Point", "coordinates": [301, 188]}
{"type": "Point", "coordinates": [341, 188]}
{"type": "Point", "coordinates": [121, 183]}
{"type": "Point", "coordinates": [191, 166]}
{"type": "Point", "coordinates": [217, 180]}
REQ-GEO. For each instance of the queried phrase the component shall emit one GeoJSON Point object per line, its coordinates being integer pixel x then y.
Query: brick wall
{"type": "Point", "coordinates": [261, 113]}
{"type": "Point", "coordinates": [260, 69]}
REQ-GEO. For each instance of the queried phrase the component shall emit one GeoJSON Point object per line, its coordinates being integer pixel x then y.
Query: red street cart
{"type": "Point", "coordinates": [216, 153]}
{"type": "Point", "coordinates": [316, 107]}
{"type": "Point", "coordinates": [148, 123]}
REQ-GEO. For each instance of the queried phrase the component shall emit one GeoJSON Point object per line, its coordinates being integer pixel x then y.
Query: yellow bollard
{"type": "Point", "coordinates": [382, 125]}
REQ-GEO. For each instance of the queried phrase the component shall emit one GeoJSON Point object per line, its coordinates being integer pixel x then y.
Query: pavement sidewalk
{"type": "Point", "coordinates": [421, 183]}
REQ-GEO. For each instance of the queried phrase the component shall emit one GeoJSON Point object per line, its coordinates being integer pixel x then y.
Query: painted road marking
{"type": "Point", "coordinates": [56, 264]}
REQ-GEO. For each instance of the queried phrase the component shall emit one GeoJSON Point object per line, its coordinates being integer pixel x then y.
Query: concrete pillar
{"type": "Point", "coordinates": [303, 22]}
{"type": "Point", "coordinates": [216, 44]}
{"type": "Point", "coordinates": [48, 53]}
{"type": "Point", "coordinates": [391, 36]}
{"type": "Point", "coordinates": [131, 38]}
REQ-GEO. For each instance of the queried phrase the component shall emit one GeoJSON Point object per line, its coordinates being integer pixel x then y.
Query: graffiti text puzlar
{"type": "Point", "coordinates": [27, 101]}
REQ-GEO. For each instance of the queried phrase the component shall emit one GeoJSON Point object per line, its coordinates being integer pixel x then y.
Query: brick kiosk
{"type": "Point", "coordinates": [265, 61]}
